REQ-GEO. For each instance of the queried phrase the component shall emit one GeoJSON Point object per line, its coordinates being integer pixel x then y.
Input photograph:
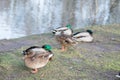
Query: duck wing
{"type": "Point", "coordinates": [61, 29]}
{"type": "Point", "coordinates": [80, 34]}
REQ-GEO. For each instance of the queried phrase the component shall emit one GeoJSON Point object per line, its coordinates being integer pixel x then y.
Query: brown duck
{"type": "Point", "coordinates": [37, 57]}
{"type": "Point", "coordinates": [64, 36]}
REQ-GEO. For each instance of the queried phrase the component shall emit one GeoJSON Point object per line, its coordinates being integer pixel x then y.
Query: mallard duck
{"type": "Point", "coordinates": [37, 57]}
{"type": "Point", "coordinates": [67, 30]}
{"type": "Point", "coordinates": [85, 36]}
{"type": "Point", "coordinates": [65, 42]}
{"type": "Point", "coordinates": [64, 36]}
{"type": "Point", "coordinates": [118, 75]}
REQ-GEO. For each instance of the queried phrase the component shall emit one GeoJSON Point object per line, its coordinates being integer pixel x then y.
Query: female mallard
{"type": "Point", "coordinates": [37, 57]}
{"type": "Point", "coordinates": [86, 36]}
{"type": "Point", "coordinates": [64, 36]}
{"type": "Point", "coordinates": [65, 41]}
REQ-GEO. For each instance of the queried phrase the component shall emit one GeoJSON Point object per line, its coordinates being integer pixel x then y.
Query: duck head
{"type": "Point", "coordinates": [47, 47]}
{"type": "Point", "coordinates": [68, 26]}
{"type": "Point", "coordinates": [90, 32]}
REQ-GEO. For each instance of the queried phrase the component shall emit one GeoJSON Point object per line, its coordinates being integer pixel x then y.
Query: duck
{"type": "Point", "coordinates": [66, 31]}
{"type": "Point", "coordinates": [64, 36]}
{"type": "Point", "coordinates": [84, 36]}
{"type": "Point", "coordinates": [65, 42]}
{"type": "Point", "coordinates": [118, 75]}
{"type": "Point", "coordinates": [36, 57]}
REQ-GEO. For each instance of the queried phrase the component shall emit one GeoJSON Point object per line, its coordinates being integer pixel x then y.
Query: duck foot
{"type": "Point", "coordinates": [63, 48]}
{"type": "Point", "coordinates": [34, 71]}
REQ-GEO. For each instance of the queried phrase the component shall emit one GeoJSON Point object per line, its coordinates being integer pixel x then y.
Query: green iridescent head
{"type": "Point", "coordinates": [68, 26]}
{"type": "Point", "coordinates": [47, 47]}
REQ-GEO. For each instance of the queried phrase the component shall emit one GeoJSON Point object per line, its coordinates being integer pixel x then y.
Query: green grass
{"type": "Point", "coordinates": [64, 66]}
{"type": "Point", "coordinates": [58, 68]}
{"type": "Point", "coordinates": [78, 63]}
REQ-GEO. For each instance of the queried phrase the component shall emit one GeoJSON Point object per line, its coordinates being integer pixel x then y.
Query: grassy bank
{"type": "Point", "coordinates": [99, 60]}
